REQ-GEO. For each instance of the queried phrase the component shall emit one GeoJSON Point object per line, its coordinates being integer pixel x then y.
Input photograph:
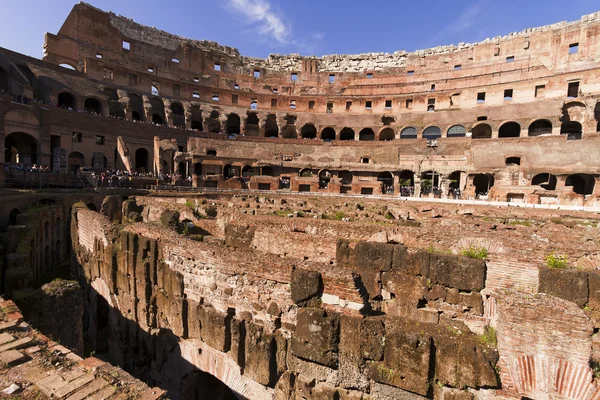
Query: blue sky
{"type": "Point", "coordinates": [261, 27]}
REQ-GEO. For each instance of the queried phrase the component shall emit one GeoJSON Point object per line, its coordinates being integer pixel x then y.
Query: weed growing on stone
{"type": "Point", "coordinates": [489, 336]}
{"type": "Point", "coordinates": [556, 261]}
{"type": "Point", "coordinates": [480, 253]}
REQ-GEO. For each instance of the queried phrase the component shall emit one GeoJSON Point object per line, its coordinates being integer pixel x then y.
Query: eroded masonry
{"type": "Point", "coordinates": [379, 226]}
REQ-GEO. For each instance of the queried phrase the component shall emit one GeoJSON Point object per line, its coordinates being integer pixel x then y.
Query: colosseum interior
{"type": "Point", "coordinates": [181, 221]}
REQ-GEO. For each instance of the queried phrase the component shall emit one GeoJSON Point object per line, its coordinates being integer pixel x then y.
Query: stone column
{"type": "Point", "coordinates": [125, 102]}
{"type": "Point", "coordinates": [168, 112]}
{"type": "Point", "coordinates": [147, 108]}
{"type": "Point", "coordinates": [243, 120]}
{"type": "Point", "coordinates": [187, 111]}
{"type": "Point", "coordinates": [417, 192]}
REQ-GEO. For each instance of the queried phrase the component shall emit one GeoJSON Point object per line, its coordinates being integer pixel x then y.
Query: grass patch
{"type": "Point", "coordinates": [338, 216]}
{"type": "Point", "coordinates": [556, 261]}
{"type": "Point", "coordinates": [522, 222]}
{"type": "Point", "coordinates": [489, 336]}
{"type": "Point", "coordinates": [480, 253]}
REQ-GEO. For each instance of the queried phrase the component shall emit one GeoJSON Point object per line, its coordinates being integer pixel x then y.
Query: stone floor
{"type": "Point", "coordinates": [35, 367]}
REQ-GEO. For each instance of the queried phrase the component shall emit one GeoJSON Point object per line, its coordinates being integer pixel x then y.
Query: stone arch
{"type": "Point", "coordinates": [67, 100]}
{"type": "Point", "coordinates": [20, 147]}
{"type": "Point", "coordinates": [387, 182]}
{"type": "Point", "coordinates": [345, 177]}
{"type": "Point", "coordinates": [581, 183]}
{"type": "Point", "coordinates": [410, 132]}
{"type": "Point", "coordinates": [158, 110]}
{"type": "Point", "coordinates": [271, 127]}
{"type": "Point", "coordinates": [76, 161]}
{"type": "Point", "coordinates": [115, 108]}
{"type": "Point", "coordinates": [456, 131]}
{"type": "Point", "coordinates": [267, 171]}
{"type": "Point", "coordinates": [481, 131]}
{"type": "Point", "coordinates": [213, 123]}
{"type": "Point", "coordinates": [251, 127]}
{"type": "Point", "coordinates": [305, 172]}
{"type": "Point", "coordinates": [232, 125]}
{"type": "Point", "coordinates": [545, 180]}
{"type": "Point", "coordinates": [178, 114]}
{"type": "Point", "coordinates": [406, 178]}
{"type": "Point", "coordinates": [387, 135]}
{"type": "Point", "coordinates": [366, 134]}
{"type": "Point", "coordinates": [429, 180]}
{"type": "Point", "coordinates": [12, 216]}
{"type": "Point", "coordinates": [308, 131]}
{"type": "Point", "coordinates": [509, 129]}
{"type": "Point", "coordinates": [432, 132]}
{"type": "Point", "coordinates": [92, 105]}
{"type": "Point", "coordinates": [347, 134]}
{"type": "Point", "coordinates": [141, 160]}
{"type": "Point", "coordinates": [136, 105]}
{"type": "Point", "coordinates": [196, 116]}
{"type": "Point", "coordinates": [540, 127]}
{"type": "Point", "coordinates": [454, 179]}
{"type": "Point", "coordinates": [483, 183]}
{"type": "Point", "coordinates": [328, 134]}
{"type": "Point", "coordinates": [572, 129]}
{"type": "Point", "coordinates": [574, 111]}
{"type": "Point", "coordinates": [248, 171]}
{"type": "Point", "coordinates": [325, 177]}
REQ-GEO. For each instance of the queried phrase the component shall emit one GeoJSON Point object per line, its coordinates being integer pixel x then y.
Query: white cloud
{"type": "Point", "coordinates": [267, 21]}
{"type": "Point", "coordinates": [470, 16]}
{"type": "Point", "coordinates": [318, 36]}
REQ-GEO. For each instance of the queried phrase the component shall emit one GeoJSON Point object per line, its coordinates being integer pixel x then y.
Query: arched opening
{"type": "Point", "coordinates": [67, 100]}
{"type": "Point", "coordinates": [325, 176]}
{"type": "Point", "coordinates": [99, 160]}
{"type": "Point", "coordinates": [308, 131]}
{"type": "Point", "coordinates": [430, 183]}
{"type": "Point", "coordinates": [141, 160]}
{"type": "Point", "coordinates": [252, 127]}
{"type": "Point", "coordinates": [347, 134]}
{"type": "Point", "coordinates": [581, 183]}
{"type": "Point", "coordinates": [115, 108]}
{"type": "Point", "coordinates": [198, 169]}
{"type": "Point", "coordinates": [230, 171]}
{"type": "Point", "coordinates": [21, 148]}
{"type": "Point", "coordinates": [76, 161]}
{"type": "Point", "coordinates": [196, 118]}
{"type": "Point", "coordinates": [513, 161]}
{"type": "Point", "coordinates": [346, 177]}
{"type": "Point", "coordinates": [136, 104]}
{"type": "Point", "coordinates": [12, 217]}
{"type": "Point", "coordinates": [432, 132]}
{"type": "Point", "coordinates": [212, 153]}
{"type": "Point", "coordinates": [267, 171]}
{"type": "Point", "coordinates": [181, 169]}
{"type": "Point", "coordinates": [483, 183]}
{"type": "Point", "coordinates": [481, 131]}
{"type": "Point", "coordinates": [406, 178]}
{"type": "Point", "coordinates": [178, 114]}
{"type": "Point", "coordinates": [540, 127]}
{"type": "Point", "coordinates": [199, 385]}
{"type": "Point", "coordinates": [387, 182]}
{"type": "Point", "coordinates": [213, 123]}
{"type": "Point", "coordinates": [572, 129]}
{"type": "Point", "coordinates": [232, 125]}
{"type": "Point", "coordinates": [408, 133]}
{"type": "Point", "coordinates": [366, 134]}
{"type": "Point", "coordinates": [387, 135]}
{"type": "Point", "coordinates": [158, 110]}
{"type": "Point", "coordinates": [328, 134]}
{"type": "Point", "coordinates": [92, 105]}
{"type": "Point", "coordinates": [157, 119]}
{"type": "Point", "coordinates": [545, 180]}
{"type": "Point", "coordinates": [247, 171]}
{"type": "Point", "coordinates": [456, 131]}
{"type": "Point", "coordinates": [305, 173]}
{"type": "Point", "coordinates": [271, 128]}
{"type": "Point", "coordinates": [509, 129]}
{"type": "Point", "coordinates": [67, 66]}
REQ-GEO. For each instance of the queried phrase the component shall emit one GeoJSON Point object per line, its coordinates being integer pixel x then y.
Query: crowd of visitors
{"type": "Point", "coordinates": [9, 166]}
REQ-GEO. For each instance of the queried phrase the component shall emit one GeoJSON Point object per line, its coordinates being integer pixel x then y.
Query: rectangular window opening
{"type": "Point", "coordinates": [215, 97]}
{"type": "Point", "coordinates": [98, 55]}
{"type": "Point", "coordinates": [409, 103]}
{"type": "Point", "coordinates": [482, 118]}
{"type": "Point", "coordinates": [175, 60]}
{"type": "Point", "coordinates": [368, 105]}
{"type": "Point", "coordinates": [256, 73]}
{"type": "Point", "coordinates": [481, 97]}
{"type": "Point", "coordinates": [292, 103]}
{"type": "Point", "coordinates": [573, 48]}
{"type": "Point", "coordinates": [369, 75]}
{"type": "Point", "coordinates": [234, 98]}
{"type": "Point", "coordinates": [150, 69]}
{"type": "Point", "coordinates": [311, 104]}
{"type": "Point", "coordinates": [196, 80]}
{"type": "Point", "coordinates": [77, 137]}
{"type": "Point", "coordinates": [496, 51]}
{"type": "Point", "coordinates": [329, 106]}
{"type": "Point", "coordinates": [217, 67]}
{"type": "Point", "coordinates": [294, 77]}
{"type": "Point", "coordinates": [433, 87]}
{"type": "Point", "coordinates": [458, 67]}
{"type": "Point", "coordinates": [236, 86]}
{"type": "Point", "coordinates": [176, 90]}
{"type": "Point", "coordinates": [126, 45]}
{"type": "Point", "coordinates": [100, 140]}
{"type": "Point", "coordinates": [508, 94]}
{"type": "Point", "coordinates": [410, 73]}
{"type": "Point", "coordinates": [273, 102]}
{"type": "Point", "coordinates": [275, 91]}
{"type": "Point", "coordinates": [331, 78]}
{"type": "Point", "coordinates": [573, 90]}
{"type": "Point", "coordinates": [510, 59]}
{"type": "Point", "coordinates": [108, 74]}
{"type": "Point", "coordinates": [539, 90]}
{"type": "Point", "coordinates": [254, 104]}
{"type": "Point", "coordinates": [388, 104]}
{"type": "Point", "coordinates": [348, 105]}
{"type": "Point", "coordinates": [196, 95]}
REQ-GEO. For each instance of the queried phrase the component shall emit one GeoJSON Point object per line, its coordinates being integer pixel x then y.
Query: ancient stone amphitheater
{"type": "Point", "coordinates": [375, 226]}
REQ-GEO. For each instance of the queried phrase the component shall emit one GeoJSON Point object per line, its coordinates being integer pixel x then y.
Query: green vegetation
{"type": "Point", "coordinates": [190, 204]}
{"type": "Point", "coordinates": [522, 222]}
{"type": "Point", "coordinates": [338, 216]}
{"type": "Point", "coordinates": [556, 261]}
{"type": "Point", "coordinates": [283, 213]}
{"type": "Point", "coordinates": [489, 336]}
{"type": "Point", "coordinates": [388, 215]}
{"type": "Point", "coordinates": [480, 253]}
{"type": "Point", "coordinates": [197, 238]}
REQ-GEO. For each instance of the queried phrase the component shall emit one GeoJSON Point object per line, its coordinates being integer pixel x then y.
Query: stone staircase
{"type": "Point", "coordinates": [34, 366]}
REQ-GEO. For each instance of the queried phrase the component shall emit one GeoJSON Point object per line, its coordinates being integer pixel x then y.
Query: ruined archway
{"type": "Point", "coordinates": [345, 177]}
{"type": "Point", "coordinates": [430, 182]}
{"type": "Point", "coordinates": [76, 161]}
{"type": "Point", "coordinates": [387, 182]}
{"type": "Point", "coordinates": [67, 100]}
{"type": "Point", "coordinates": [252, 125]}
{"type": "Point", "coordinates": [432, 132]}
{"type": "Point", "coordinates": [158, 110]}
{"type": "Point", "coordinates": [141, 160]}
{"type": "Point", "coordinates": [271, 128]}
{"type": "Point", "coordinates": [232, 125]}
{"type": "Point", "coordinates": [483, 183]}
{"type": "Point", "coordinates": [92, 105]}
{"type": "Point", "coordinates": [347, 134]}
{"type": "Point", "coordinates": [387, 135]}
{"type": "Point", "coordinates": [213, 123]}
{"type": "Point", "coordinates": [366, 134]}
{"type": "Point", "coordinates": [247, 171]}
{"type": "Point", "coordinates": [509, 129]}
{"type": "Point", "coordinates": [136, 105]}
{"type": "Point", "coordinates": [21, 148]}
{"type": "Point", "coordinates": [572, 129]}
{"type": "Point", "coordinates": [308, 131]}
{"type": "Point", "coordinates": [115, 108]}
{"type": "Point", "coordinates": [325, 176]}
{"type": "Point", "coordinates": [581, 183]}
{"type": "Point", "coordinates": [178, 114]}
{"type": "Point", "coordinates": [540, 127]}
{"type": "Point", "coordinates": [545, 180]}
{"type": "Point", "coordinates": [289, 131]}
{"type": "Point", "coordinates": [481, 131]}
{"type": "Point", "coordinates": [328, 134]}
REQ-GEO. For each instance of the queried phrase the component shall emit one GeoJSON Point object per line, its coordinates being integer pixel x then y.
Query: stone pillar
{"type": "Point", "coordinates": [417, 187]}
{"type": "Point", "coordinates": [494, 134]}
{"type": "Point", "coordinates": [168, 112]}
{"type": "Point", "coordinates": [187, 107]}
{"type": "Point", "coordinates": [561, 181]}
{"type": "Point", "coordinates": [444, 184]}
{"type": "Point", "coordinates": [125, 102]}
{"type": "Point", "coordinates": [223, 121]}
{"type": "Point", "coordinates": [243, 120]}
{"type": "Point", "coordinates": [147, 108]}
